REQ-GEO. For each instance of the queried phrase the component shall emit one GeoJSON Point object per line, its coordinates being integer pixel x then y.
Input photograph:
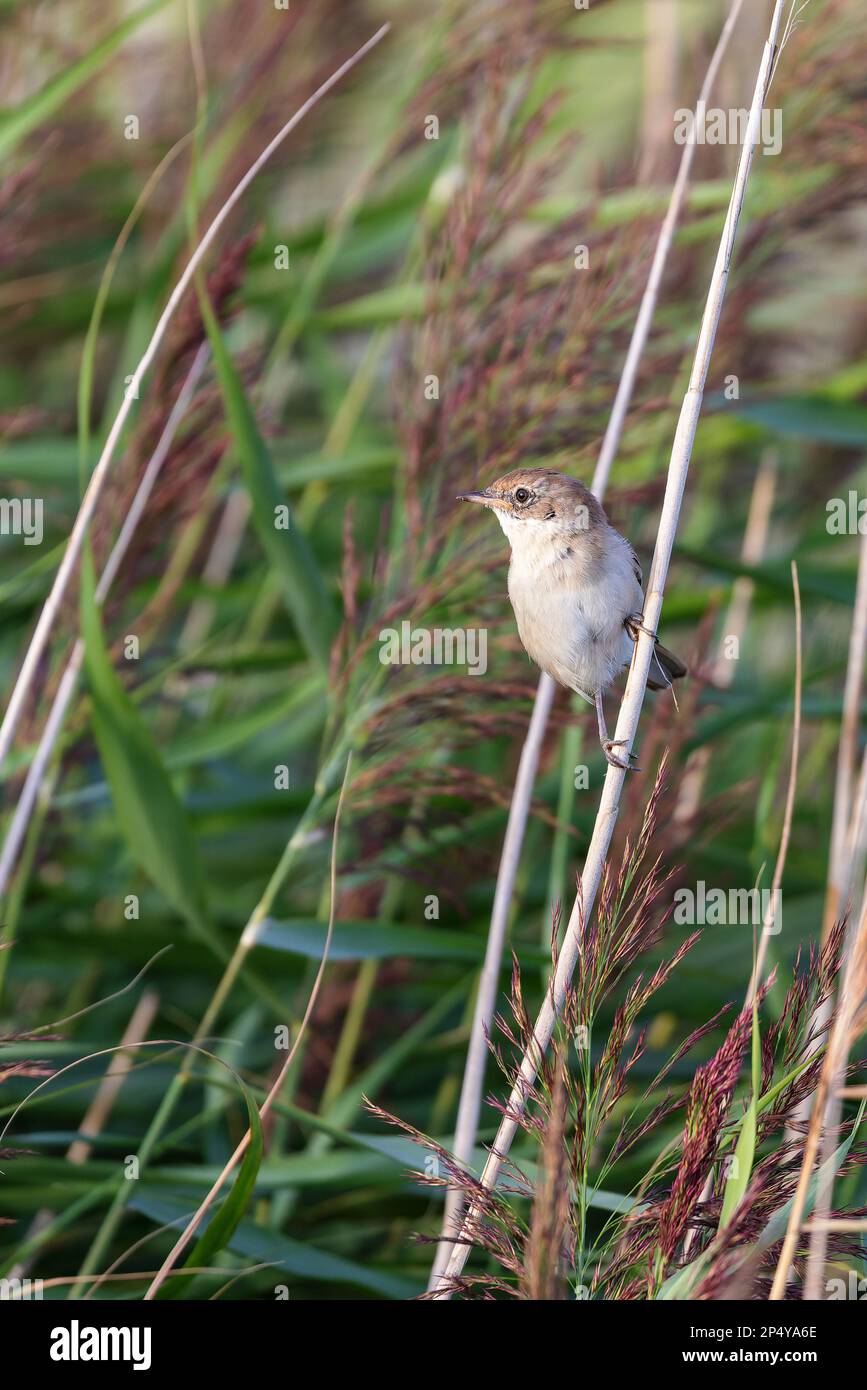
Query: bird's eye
{"type": "Point", "coordinates": [521, 494]}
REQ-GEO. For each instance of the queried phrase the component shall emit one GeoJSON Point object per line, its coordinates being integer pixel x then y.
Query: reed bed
{"type": "Point", "coordinates": [250, 361]}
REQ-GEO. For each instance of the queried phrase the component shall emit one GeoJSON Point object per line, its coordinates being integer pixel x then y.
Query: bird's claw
{"type": "Point", "coordinates": [607, 748]}
{"type": "Point", "coordinates": [635, 624]}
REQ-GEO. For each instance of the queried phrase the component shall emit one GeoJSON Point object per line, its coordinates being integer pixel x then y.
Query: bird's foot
{"type": "Point", "coordinates": [635, 624]}
{"type": "Point", "coordinates": [608, 749]}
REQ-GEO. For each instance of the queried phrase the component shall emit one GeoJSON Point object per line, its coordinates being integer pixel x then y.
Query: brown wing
{"type": "Point", "coordinates": [636, 567]}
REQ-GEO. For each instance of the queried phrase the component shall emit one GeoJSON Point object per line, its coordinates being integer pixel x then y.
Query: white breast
{"type": "Point", "coordinates": [570, 597]}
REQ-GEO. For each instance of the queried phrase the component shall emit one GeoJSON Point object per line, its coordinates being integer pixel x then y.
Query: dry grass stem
{"type": "Point", "coordinates": [850, 1000]}
{"type": "Point", "coordinates": [838, 887]}
{"type": "Point", "coordinates": [69, 680]}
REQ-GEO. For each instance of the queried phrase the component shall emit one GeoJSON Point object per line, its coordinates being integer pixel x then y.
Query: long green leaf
{"type": "Point", "coordinates": [379, 941]}
{"type": "Point", "coordinates": [286, 548]}
{"type": "Point", "coordinates": [152, 819]}
{"type": "Point", "coordinates": [303, 1261]}
{"type": "Point", "coordinates": [809, 417]}
{"type": "Point", "coordinates": [217, 1235]}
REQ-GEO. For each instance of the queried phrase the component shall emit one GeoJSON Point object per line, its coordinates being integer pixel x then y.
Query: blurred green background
{"type": "Point", "coordinates": [366, 259]}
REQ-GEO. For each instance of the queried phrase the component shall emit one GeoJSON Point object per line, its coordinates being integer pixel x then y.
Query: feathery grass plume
{"type": "Point", "coordinates": [574, 1098]}
{"type": "Point", "coordinates": [738, 1259]}
{"type": "Point", "coordinates": [819, 1161]}
{"type": "Point", "coordinates": [710, 1097]}
{"type": "Point", "coordinates": [793, 1043]}
{"type": "Point", "coordinates": [741, 1260]}
{"type": "Point", "coordinates": [496, 1226]}
{"type": "Point", "coordinates": [563, 1248]}
{"type": "Point", "coordinates": [549, 1253]}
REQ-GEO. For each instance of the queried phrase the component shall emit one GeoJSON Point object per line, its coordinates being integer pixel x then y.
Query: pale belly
{"type": "Point", "coordinates": [576, 634]}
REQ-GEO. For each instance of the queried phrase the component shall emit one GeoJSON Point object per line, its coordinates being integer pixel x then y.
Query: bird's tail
{"type": "Point", "coordinates": [664, 668]}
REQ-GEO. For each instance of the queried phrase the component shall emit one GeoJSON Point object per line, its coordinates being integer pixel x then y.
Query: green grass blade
{"type": "Point", "coordinates": [377, 941]}
{"type": "Point", "coordinates": [776, 1227]}
{"type": "Point", "coordinates": [219, 1232]}
{"type": "Point", "coordinates": [18, 121]}
{"type": "Point", "coordinates": [291, 1256]}
{"type": "Point", "coordinates": [287, 549]}
{"type": "Point", "coordinates": [150, 815]}
{"type": "Point", "coordinates": [813, 418]}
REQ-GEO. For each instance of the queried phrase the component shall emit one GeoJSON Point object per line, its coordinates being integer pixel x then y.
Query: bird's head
{"type": "Point", "coordinates": [548, 500]}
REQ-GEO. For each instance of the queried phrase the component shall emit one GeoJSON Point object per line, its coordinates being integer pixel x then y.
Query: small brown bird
{"type": "Point", "coordinates": [575, 585]}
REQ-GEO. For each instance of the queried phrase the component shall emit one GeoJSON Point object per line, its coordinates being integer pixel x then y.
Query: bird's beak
{"type": "Point", "coordinates": [486, 498]}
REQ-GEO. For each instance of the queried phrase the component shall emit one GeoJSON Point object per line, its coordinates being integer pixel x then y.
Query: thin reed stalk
{"type": "Point", "coordinates": [100, 473]}
{"type": "Point", "coordinates": [849, 1000]}
{"type": "Point", "coordinates": [849, 818]}
{"type": "Point", "coordinates": [782, 853]}
{"type": "Point", "coordinates": [69, 680]}
{"type": "Point", "coordinates": [470, 1102]}
{"type": "Point", "coordinates": [849, 870]}
{"type": "Point", "coordinates": [630, 709]}
{"type": "Point", "coordinates": [836, 892]}
{"type": "Point", "coordinates": [786, 835]}
{"type": "Point", "coordinates": [661, 38]}
{"type": "Point", "coordinates": [856, 844]}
